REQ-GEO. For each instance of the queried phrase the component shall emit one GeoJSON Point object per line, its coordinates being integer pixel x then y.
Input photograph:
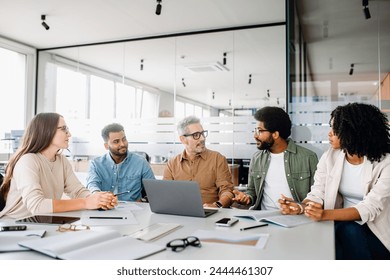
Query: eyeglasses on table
{"type": "Point", "coordinates": [178, 245]}
{"type": "Point", "coordinates": [70, 227]}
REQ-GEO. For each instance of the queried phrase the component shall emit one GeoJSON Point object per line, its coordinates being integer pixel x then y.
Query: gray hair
{"type": "Point", "coordinates": [113, 127]}
{"type": "Point", "coordinates": [184, 123]}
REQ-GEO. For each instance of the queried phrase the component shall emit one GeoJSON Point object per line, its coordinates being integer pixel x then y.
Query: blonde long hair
{"type": "Point", "coordinates": [36, 138]}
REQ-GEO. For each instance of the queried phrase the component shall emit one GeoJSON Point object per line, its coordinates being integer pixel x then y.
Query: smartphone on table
{"type": "Point", "coordinates": [226, 222]}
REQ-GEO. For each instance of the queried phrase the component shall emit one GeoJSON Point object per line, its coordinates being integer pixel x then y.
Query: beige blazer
{"type": "Point", "coordinates": [374, 209]}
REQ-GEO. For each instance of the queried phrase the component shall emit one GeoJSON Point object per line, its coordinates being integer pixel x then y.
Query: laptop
{"type": "Point", "coordinates": [176, 198]}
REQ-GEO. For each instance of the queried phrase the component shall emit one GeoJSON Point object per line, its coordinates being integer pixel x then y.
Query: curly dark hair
{"type": "Point", "coordinates": [363, 130]}
{"type": "Point", "coordinates": [275, 119]}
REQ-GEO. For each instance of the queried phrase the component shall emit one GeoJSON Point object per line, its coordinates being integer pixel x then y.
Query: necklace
{"type": "Point", "coordinates": [50, 162]}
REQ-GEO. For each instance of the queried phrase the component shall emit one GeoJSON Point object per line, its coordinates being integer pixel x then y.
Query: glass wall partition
{"type": "Point", "coordinates": [337, 55]}
{"type": "Point", "coordinates": [148, 85]}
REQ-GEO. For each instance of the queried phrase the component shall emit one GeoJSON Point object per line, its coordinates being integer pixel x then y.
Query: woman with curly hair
{"type": "Point", "coordinates": [37, 175]}
{"type": "Point", "coordinates": [352, 183]}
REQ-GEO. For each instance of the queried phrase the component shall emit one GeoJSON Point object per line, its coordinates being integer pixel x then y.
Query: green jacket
{"type": "Point", "coordinates": [300, 165]}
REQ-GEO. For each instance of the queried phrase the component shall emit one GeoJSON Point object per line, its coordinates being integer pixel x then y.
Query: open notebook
{"type": "Point", "coordinates": [275, 217]}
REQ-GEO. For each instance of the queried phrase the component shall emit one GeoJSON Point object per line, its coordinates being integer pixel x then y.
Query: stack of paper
{"type": "Point", "coordinates": [155, 231]}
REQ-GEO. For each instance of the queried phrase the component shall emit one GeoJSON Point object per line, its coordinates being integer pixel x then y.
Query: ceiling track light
{"type": "Point", "coordinates": [44, 24]}
{"type": "Point", "coordinates": [224, 58]}
{"type": "Point", "coordinates": [351, 70]}
{"type": "Point", "coordinates": [182, 81]}
{"type": "Point", "coordinates": [158, 7]}
{"type": "Point", "coordinates": [268, 95]}
{"type": "Point", "coordinates": [141, 67]}
{"type": "Point", "coordinates": [250, 79]}
{"type": "Point", "coordinates": [213, 95]}
{"type": "Point", "coordinates": [366, 11]}
{"type": "Point", "coordinates": [367, 14]}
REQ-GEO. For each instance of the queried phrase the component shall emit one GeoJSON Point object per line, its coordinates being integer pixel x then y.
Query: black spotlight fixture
{"type": "Point", "coordinates": [268, 95]}
{"type": "Point", "coordinates": [351, 70]}
{"type": "Point", "coordinates": [224, 58]}
{"type": "Point", "coordinates": [44, 24]}
{"type": "Point", "coordinates": [367, 14]}
{"type": "Point", "coordinates": [158, 8]}
{"type": "Point", "coordinates": [141, 67]}
{"type": "Point", "coordinates": [366, 11]}
{"type": "Point", "coordinates": [250, 79]}
{"type": "Point", "coordinates": [182, 81]}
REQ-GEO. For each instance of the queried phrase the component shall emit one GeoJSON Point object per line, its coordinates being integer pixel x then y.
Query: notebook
{"type": "Point", "coordinates": [175, 198]}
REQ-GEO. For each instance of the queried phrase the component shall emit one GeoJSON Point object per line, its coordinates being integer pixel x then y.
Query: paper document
{"type": "Point", "coordinates": [275, 217]}
{"type": "Point", "coordinates": [155, 231]}
{"type": "Point", "coordinates": [108, 218]}
{"type": "Point", "coordinates": [257, 240]}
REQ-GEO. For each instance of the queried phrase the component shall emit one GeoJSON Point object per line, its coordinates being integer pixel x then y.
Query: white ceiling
{"type": "Point", "coordinates": [74, 22]}
{"type": "Point", "coordinates": [350, 39]}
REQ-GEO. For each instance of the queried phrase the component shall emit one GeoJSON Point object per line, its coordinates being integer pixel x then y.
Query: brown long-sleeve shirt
{"type": "Point", "coordinates": [210, 169]}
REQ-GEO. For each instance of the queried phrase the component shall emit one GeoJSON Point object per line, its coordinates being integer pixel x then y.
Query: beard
{"type": "Point", "coordinates": [118, 152]}
{"type": "Point", "coordinates": [266, 145]}
{"type": "Point", "coordinates": [200, 148]}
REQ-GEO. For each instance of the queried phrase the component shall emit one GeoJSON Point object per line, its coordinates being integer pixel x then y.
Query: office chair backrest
{"type": "Point", "coordinates": [2, 201]}
{"type": "Point", "coordinates": [145, 155]}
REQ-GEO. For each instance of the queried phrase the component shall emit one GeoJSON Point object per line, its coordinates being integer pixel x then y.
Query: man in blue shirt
{"type": "Point", "coordinates": [119, 170]}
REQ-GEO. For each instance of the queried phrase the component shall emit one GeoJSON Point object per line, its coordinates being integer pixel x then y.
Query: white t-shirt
{"type": "Point", "coordinates": [275, 183]}
{"type": "Point", "coordinates": [351, 183]}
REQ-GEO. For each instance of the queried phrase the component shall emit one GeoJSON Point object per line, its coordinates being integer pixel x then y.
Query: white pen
{"type": "Point", "coordinates": [117, 218]}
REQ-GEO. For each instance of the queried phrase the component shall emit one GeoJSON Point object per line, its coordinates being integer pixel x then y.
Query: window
{"type": "Point", "coordinates": [125, 102]}
{"type": "Point", "coordinates": [12, 84]}
{"type": "Point", "coordinates": [71, 86]}
{"type": "Point", "coordinates": [102, 99]}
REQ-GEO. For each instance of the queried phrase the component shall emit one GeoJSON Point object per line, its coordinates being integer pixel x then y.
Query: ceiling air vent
{"type": "Point", "coordinates": [207, 67]}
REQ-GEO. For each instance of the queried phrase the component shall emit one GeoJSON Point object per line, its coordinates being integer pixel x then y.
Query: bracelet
{"type": "Point", "coordinates": [301, 209]}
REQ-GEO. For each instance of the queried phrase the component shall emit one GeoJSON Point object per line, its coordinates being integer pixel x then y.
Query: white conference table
{"type": "Point", "coordinates": [313, 241]}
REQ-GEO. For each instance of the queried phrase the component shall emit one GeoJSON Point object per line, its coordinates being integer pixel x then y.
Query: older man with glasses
{"type": "Point", "coordinates": [197, 163]}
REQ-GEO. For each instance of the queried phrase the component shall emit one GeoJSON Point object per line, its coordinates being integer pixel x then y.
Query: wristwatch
{"type": "Point", "coordinates": [219, 204]}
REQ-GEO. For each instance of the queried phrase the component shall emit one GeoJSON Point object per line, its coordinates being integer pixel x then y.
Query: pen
{"type": "Point", "coordinates": [246, 228]}
{"type": "Point", "coordinates": [118, 218]}
{"type": "Point", "coordinates": [291, 201]}
{"type": "Point", "coordinates": [117, 194]}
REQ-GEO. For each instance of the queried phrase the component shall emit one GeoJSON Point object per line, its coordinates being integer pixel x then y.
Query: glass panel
{"type": "Point", "coordinates": [125, 101]}
{"type": "Point", "coordinates": [148, 85]}
{"type": "Point", "coordinates": [336, 59]}
{"type": "Point", "coordinates": [102, 100]}
{"type": "Point", "coordinates": [71, 86]}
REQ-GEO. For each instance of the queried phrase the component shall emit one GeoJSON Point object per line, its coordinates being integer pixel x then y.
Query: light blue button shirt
{"type": "Point", "coordinates": [105, 175]}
